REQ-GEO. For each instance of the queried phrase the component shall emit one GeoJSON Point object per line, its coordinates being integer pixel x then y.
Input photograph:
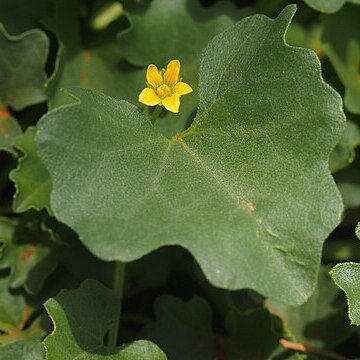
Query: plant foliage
{"type": "Point", "coordinates": [130, 232]}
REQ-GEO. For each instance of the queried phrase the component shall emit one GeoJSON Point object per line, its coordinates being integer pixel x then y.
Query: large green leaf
{"type": "Point", "coordinates": [155, 38]}
{"type": "Point", "coordinates": [183, 329]}
{"type": "Point", "coordinates": [347, 276]}
{"type": "Point", "coordinates": [32, 181]}
{"type": "Point", "coordinates": [341, 43]}
{"type": "Point", "coordinates": [329, 6]}
{"type": "Point", "coordinates": [81, 319]}
{"type": "Point", "coordinates": [22, 60]}
{"type": "Point", "coordinates": [246, 186]}
{"type": "Point", "coordinates": [29, 250]}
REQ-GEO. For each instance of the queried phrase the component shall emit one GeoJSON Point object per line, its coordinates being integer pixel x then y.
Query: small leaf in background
{"type": "Point", "coordinates": [347, 277]}
{"type": "Point", "coordinates": [81, 319]}
{"type": "Point", "coordinates": [22, 61]}
{"type": "Point", "coordinates": [344, 153]}
{"type": "Point", "coordinates": [266, 157]}
{"type": "Point", "coordinates": [320, 322]}
{"type": "Point", "coordinates": [20, 15]}
{"type": "Point", "coordinates": [18, 338]}
{"type": "Point", "coordinates": [341, 43]}
{"type": "Point", "coordinates": [32, 180]}
{"type": "Point", "coordinates": [23, 350]}
{"type": "Point", "coordinates": [329, 6]}
{"type": "Point", "coordinates": [9, 131]}
{"type": "Point", "coordinates": [183, 329]}
{"type": "Point", "coordinates": [154, 38]}
{"type": "Point", "coordinates": [13, 308]}
{"type": "Point", "coordinates": [30, 251]}
{"type": "Point", "coordinates": [245, 332]}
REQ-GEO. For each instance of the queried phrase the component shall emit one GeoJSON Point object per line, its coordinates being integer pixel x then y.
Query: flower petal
{"type": "Point", "coordinates": [149, 97]}
{"type": "Point", "coordinates": [172, 103]}
{"type": "Point", "coordinates": [171, 75]}
{"type": "Point", "coordinates": [153, 76]}
{"type": "Point", "coordinates": [182, 88]}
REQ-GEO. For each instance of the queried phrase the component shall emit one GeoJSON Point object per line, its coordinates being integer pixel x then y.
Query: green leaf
{"type": "Point", "coordinates": [341, 43]}
{"type": "Point", "coordinates": [29, 250]}
{"type": "Point", "coordinates": [19, 328]}
{"type": "Point", "coordinates": [245, 331]}
{"type": "Point", "coordinates": [20, 15]}
{"type": "Point", "coordinates": [346, 276]}
{"type": "Point", "coordinates": [258, 150]}
{"type": "Point", "coordinates": [81, 319]}
{"type": "Point", "coordinates": [32, 180]}
{"type": "Point", "coordinates": [344, 152]}
{"type": "Point", "coordinates": [12, 307]}
{"type": "Point", "coordinates": [158, 29]}
{"type": "Point", "coordinates": [183, 329]}
{"type": "Point", "coordinates": [329, 6]}
{"type": "Point", "coordinates": [154, 38]}
{"type": "Point", "coordinates": [9, 131]}
{"type": "Point", "coordinates": [320, 322]}
{"type": "Point", "coordinates": [22, 61]}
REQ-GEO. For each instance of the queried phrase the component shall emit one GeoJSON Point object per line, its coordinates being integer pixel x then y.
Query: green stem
{"type": "Point", "coordinates": [118, 285]}
{"type": "Point", "coordinates": [156, 114]}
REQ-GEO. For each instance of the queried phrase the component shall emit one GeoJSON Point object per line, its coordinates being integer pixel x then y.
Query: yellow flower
{"type": "Point", "coordinates": [164, 87]}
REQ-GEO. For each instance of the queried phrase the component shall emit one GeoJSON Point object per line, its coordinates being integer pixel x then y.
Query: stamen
{"type": "Point", "coordinates": [163, 91]}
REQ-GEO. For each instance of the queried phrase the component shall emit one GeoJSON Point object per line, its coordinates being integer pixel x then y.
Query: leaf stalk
{"type": "Point", "coordinates": [118, 285]}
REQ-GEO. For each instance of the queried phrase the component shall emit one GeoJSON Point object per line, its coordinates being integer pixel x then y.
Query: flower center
{"type": "Point", "coordinates": [163, 91]}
